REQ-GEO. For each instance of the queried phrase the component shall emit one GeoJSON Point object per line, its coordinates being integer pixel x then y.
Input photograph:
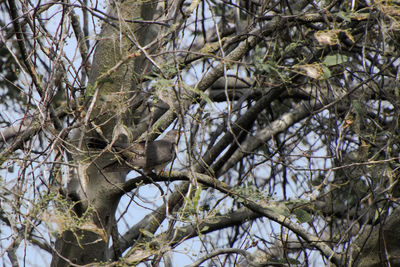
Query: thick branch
{"type": "Point", "coordinates": [276, 127]}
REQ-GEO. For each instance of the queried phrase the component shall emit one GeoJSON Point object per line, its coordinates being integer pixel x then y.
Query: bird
{"type": "Point", "coordinates": [149, 156]}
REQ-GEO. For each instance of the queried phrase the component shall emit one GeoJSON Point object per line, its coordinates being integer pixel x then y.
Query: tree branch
{"type": "Point", "coordinates": [242, 252]}
{"type": "Point", "coordinates": [276, 127]}
{"type": "Point", "coordinates": [267, 209]}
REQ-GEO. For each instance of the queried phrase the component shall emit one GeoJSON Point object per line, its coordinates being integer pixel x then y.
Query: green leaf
{"type": "Point", "coordinates": [326, 73]}
{"type": "Point", "coordinates": [292, 46]}
{"type": "Point", "coordinates": [333, 60]}
{"type": "Point", "coordinates": [205, 228]}
{"type": "Point", "coordinates": [196, 197]}
{"type": "Point", "coordinates": [302, 216]}
{"type": "Point", "coordinates": [345, 16]}
{"type": "Point", "coordinates": [282, 210]}
{"type": "Point", "coordinates": [146, 233]}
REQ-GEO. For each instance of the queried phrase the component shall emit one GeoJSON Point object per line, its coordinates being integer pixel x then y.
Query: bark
{"type": "Point", "coordinates": [380, 247]}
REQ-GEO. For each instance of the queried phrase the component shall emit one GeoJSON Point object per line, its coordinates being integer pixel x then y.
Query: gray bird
{"type": "Point", "coordinates": [148, 156]}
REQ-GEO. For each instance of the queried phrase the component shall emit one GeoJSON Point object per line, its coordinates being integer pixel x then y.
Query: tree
{"type": "Point", "coordinates": [289, 112]}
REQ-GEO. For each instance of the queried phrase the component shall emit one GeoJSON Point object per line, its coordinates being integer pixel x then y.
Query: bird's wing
{"type": "Point", "coordinates": [117, 167]}
{"type": "Point", "coordinates": [158, 153]}
{"type": "Point", "coordinates": [148, 156]}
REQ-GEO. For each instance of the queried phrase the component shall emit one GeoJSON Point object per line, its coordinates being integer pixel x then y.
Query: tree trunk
{"type": "Point", "coordinates": [96, 194]}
